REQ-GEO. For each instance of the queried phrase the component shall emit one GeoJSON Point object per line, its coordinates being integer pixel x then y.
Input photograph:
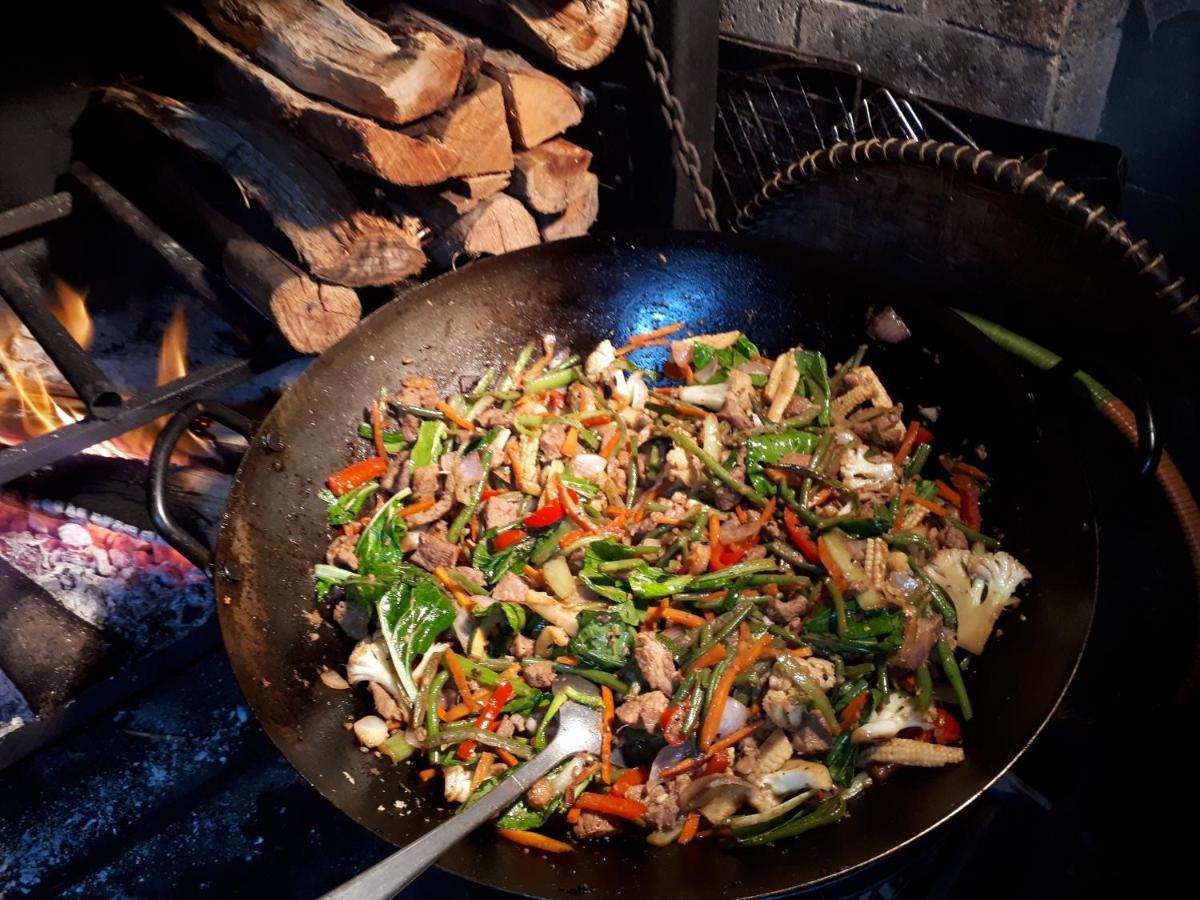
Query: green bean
{"type": "Point", "coordinates": [989, 542]}
{"type": "Point", "coordinates": [881, 679]}
{"type": "Point", "coordinates": [782, 580]}
{"type": "Point", "coordinates": [791, 556]}
{"type": "Point", "coordinates": [917, 461]}
{"type": "Point", "coordinates": [583, 699]}
{"type": "Point", "coordinates": [826, 813]}
{"type": "Point", "coordinates": [853, 362]}
{"type": "Point", "coordinates": [753, 677]}
{"type": "Point", "coordinates": [954, 675]}
{"type": "Point", "coordinates": [924, 687]}
{"type": "Point", "coordinates": [550, 382]}
{"type": "Point", "coordinates": [674, 547]}
{"type": "Point", "coordinates": [539, 739]}
{"type": "Point", "coordinates": [595, 676]}
{"type": "Point", "coordinates": [839, 606]}
{"type": "Point", "coordinates": [420, 412]}
{"type": "Point", "coordinates": [464, 516]}
{"type": "Point", "coordinates": [717, 470]}
{"type": "Point", "coordinates": [512, 376]}
{"type": "Point", "coordinates": [800, 506]}
{"type": "Point", "coordinates": [720, 628]}
{"type": "Point", "coordinates": [693, 713]}
{"type": "Point", "coordinates": [631, 478]}
{"type": "Point", "coordinates": [907, 540]}
{"type": "Point", "coordinates": [788, 637]}
{"type": "Point", "coordinates": [684, 687]}
{"type": "Point", "coordinates": [486, 676]}
{"type": "Point", "coordinates": [454, 734]}
{"type": "Point", "coordinates": [723, 578]}
{"type": "Point", "coordinates": [484, 382]}
{"type": "Point", "coordinates": [569, 362]}
{"type": "Point", "coordinates": [809, 688]}
{"type": "Point", "coordinates": [941, 602]}
{"type": "Point", "coordinates": [614, 566]}
{"type": "Point", "coordinates": [432, 723]}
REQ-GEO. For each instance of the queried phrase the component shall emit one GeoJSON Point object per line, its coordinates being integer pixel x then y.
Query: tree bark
{"type": "Point", "coordinates": [576, 34]}
{"type": "Point", "coordinates": [327, 49]}
{"type": "Point", "coordinates": [294, 187]}
{"type": "Point", "coordinates": [539, 106]}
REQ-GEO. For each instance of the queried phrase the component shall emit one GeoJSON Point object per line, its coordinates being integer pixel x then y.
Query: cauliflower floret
{"type": "Point", "coordinates": [896, 714]}
{"type": "Point", "coordinates": [458, 784]}
{"type": "Point", "coordinates": [980, 587]}
{"type": "Point", "coordinates": [632, 391]}
{"type": "Point", "coordinates": [370, 661]}
{"type": "Point", "coordinates": [600, 359]}
{"type": "Point", "coordinates": [859, 472]}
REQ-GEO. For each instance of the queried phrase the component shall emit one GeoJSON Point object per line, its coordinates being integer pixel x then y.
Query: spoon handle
{"type": "Point", "coordinates": [388, 877]}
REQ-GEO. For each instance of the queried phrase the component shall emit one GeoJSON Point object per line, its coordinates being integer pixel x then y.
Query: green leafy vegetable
{"type": "Point", "coordinates": [606, 585]}
{"type": "Point", "coordinates": [412, 613]}
{"type": "Point", "coordinates": [428, 448]}
{"type": "Point", "coordinates": [345, 509]}
{"type": "Point", "coordinates": [393, 441]}
{"type": "Point", "coordinates": [495, 565]}
{"type": "Point", "coordinates": [650, 583]}
{"type": "Point", "coordinates": [603, 640]}
{"type": "Point", "coordinates": [742, 351]}
{"type": "Point", "coordinates": [378, 548]}
{"type": "Point", "coordinates": [840, 760]}
{"type": "Point", "coordinates": [768, 448]}
{"type": "Point", "coordinates": [814, 382]}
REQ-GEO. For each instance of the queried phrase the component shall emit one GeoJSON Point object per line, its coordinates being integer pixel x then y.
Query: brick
{"type": "Point", "coordinates": [1036, 23]}
{"type": "Point", "coordinates": [768, 21]}
{"type": "Point", "coordinates": [1081, 91]}
{"type": "Point", "coordinates": [932, 59]}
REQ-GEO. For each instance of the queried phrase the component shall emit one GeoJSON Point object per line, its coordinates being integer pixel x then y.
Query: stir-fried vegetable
{"type": "Point", "coordinates": [755, 565]}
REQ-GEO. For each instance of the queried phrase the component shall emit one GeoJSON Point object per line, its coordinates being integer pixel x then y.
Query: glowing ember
{"type": "Point", "coordinates": [35, 400]}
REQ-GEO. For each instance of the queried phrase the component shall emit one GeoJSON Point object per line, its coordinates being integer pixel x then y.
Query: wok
{"type": "Point", "coordinates": [584, 290]}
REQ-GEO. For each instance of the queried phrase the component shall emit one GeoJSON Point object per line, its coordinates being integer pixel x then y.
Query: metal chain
{"type": "Point", "coordinates": [688, 157]}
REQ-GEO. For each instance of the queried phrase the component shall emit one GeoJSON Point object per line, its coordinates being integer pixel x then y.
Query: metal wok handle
{"type": "Point", "coordinates": [160, 467]}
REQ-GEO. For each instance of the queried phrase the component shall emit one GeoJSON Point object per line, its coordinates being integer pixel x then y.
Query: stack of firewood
{"type": "Point", "coordinates": [370, 147]}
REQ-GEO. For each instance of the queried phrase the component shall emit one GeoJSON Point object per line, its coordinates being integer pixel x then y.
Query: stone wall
{"type": "Point", "coordinates": [1039, 62]}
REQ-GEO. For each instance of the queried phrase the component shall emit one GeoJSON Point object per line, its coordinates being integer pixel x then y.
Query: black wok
{"type": "Point", "coordinates": [584, 290]}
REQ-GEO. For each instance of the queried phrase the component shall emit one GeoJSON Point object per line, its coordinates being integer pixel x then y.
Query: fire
{"type": "Point", "coordinates": [35, 400]}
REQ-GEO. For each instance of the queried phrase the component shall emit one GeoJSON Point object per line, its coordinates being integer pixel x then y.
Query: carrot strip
{"type": "Point", "coordinates": [595, 419]}
{"type": "Point", "coordinates": [377, 429]}
{"type": "Point", "coordinates": [574, 814]}
{"type": "Point", "coordinates": [534, 840]}
{"type": "Point", "coordinates": [606, 738]}
{"type": "Point", "coordinates": [906, 445]}
{"type": "Point", "coordinates": [622, 807]}
{"type": "Point", "coordinates": [572, 508]}
{"type": "Point", "coordinates": [680, 767]}
{"type": "Point", "coordinates": [714, 542]}
{"type": "Point", "coordinates": [930, 505]}
{"type": "Point", "coordinates": [569, 660]}
{"type": "Point", "coordinates": [645, 336]}
{"type": "Point", "coordinates": [820, 497]}
{"type": "Point", "coordinates": [754, 652]}
{"type": "Point", "coordinates": [656, 612]}
{"type": "Point", "coordinates": [455, 591]}
{"type": "Point", "coordinates": [426, 774]}
{"type": "Point", "coordinates": [508, 758]}
{"type": "Point", "coordinates": [611, 444]}
{"type": "Point", "coordinates": [571, 445]}
{"type": "Point", "coordinates": [630, 778]}
{"type": "Point", "coordinates": [629, 348]}
{"type": "Point", "coordinates": [571, 537]}
{"type": "Point", "coordinates": [579, 779]}
{"type": "Point", "coordinates": [948, 493]}
{"type": "Point", "coordinates": [710, 658]}
{"type": "Point", "coordinates": [712, 721]}
{"type": "Point", "coordinates": [732, 738]}
{"type": "Point", "coordinates": [690, 826]}
{"type": "Point", "coordinates": [453, 415]}
{"type": "Point", "coordinates": [854, 709]}
{"type": "Point", "coordinates": [514, 458]}
{"type": "Point", "coordinates": [413, 508]}
{"type": "Point", "coordinates": [740, 513]}
{"type": "Point", "coordinates": [460, 681]}
{"type": "Point", "coordinates": [691, 620]}
{"type": "Point", "coordinates": [483, 769]}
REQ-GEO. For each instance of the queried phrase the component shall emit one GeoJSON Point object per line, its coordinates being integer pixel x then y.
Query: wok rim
{"type": "Point", "coordinates": [638, 238]}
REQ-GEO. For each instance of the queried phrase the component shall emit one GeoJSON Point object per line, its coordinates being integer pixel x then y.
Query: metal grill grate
{"type": "Point", "coordinates": [769, 116]}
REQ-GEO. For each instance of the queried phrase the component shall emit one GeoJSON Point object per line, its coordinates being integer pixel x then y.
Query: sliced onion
{"type": "Point", "coordinates": [709, 396]}
{"type": "Point", "coordinates": [464, 624]}
{"type": "Point", "coordinates": [754, 367]}
{"type": "Point", "coordinates": [588, 465]}
{"type": "Point", "coordinates": [670, 755]}
{"type": "Point", "coordinates": [371, 731]}
{"type": "Point", "coordinates": [887, 327]}
{"type": "Point", "coordinates": [470, 468]}
{"type": "Point", "coordinates": [906, 584]}
{"type": "Point", "coordinates": [705, 375]}
{"type": "Point", "coordinates": [733, 716]}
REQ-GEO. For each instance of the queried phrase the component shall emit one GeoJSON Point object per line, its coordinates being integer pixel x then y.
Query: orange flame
{"type": "Point", "coordinates": [30, 407]}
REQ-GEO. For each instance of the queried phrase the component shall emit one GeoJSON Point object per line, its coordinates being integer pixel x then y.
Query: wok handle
{"type": "Point", "coordinates": [160, 468]}
{"type": "Point", "coordinates": [389, 877]}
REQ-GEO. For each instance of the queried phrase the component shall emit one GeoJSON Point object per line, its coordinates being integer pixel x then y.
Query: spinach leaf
{"type": "Point", "coordinates": [345, 509]}
{"type": "Point", "coordinates": [649, 583]}
{"type": "Point", "coordinates": [742, 351]}
{"type": "Point", "coordinates": [495, 566]}
{"type": "Point", "coordinates": [603, 640]}
{"type": "Point", "coordinates": [814, 381]}
{"type": "Point", "coordinates": [768, 448]}
{"type": "Point", "coordinates": [607, 586]}
{"type": "Point", "coordinates": [378, 548]}
{"type": "Point", "coordinates": [412, 614]}
{"type": "Point", "coordinates": [628, 613]}
{"type": "Point", "coordinates": [840, 760]}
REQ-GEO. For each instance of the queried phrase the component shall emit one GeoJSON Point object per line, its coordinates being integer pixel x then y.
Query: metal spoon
{"type": "Point", "coordinates": [579, 730]}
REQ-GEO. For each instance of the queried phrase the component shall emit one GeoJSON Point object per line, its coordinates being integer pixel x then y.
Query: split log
{"type": "Point", "coordinates": [577, 219]}
{"type": "Point", "coordinates": [576, 34]}
{"type": "Point", "coordinates": [465, 137]}
{"type": "Point", "coordinates": [496, 225]}
{"type": "Point", "coordinates": [293, 186]}
{"type": "Point", "coordinates": [539, 106]}
{"type": "Point", "coordinates": [479, 187]}
{"type": "Point", "coordinates": [311, 316]}
{"type": "Point", "coordinates": [551, 175]}
{"type": "Point", "coordinates": [327, 49]}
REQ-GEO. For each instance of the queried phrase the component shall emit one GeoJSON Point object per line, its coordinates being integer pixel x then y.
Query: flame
{"type": "Point", "coordinates": [30, 407]}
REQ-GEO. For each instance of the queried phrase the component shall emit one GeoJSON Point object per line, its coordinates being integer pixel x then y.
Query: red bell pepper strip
{"type": "Point", "coordinates": [968, 509]}
{"type": "Point", "coordinates": [547, 515]}
{"type": "Point", "coordinates": [357, 475]}
{"type": "Point", "coordinates": [489, 718]}
{"type": "Point", "coordinates": [924, 436]}
{"type": "Point", "coordinates": [800, 536]}
{"type": "Point", "coordinates": [506, 539]}
{"type": "Point", "coordinates": [946, 729]}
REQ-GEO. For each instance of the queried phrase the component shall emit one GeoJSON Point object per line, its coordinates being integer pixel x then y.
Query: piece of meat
{"type": "Point", "coordinates": [880, 429]}
{"type": "Point", "coordinates": [510, 589]}
{"type": "Point", "coordinates": [495, 417]}
{"type": "Point", "coordinates": [385, 703]}
{"type": "Point", "coordinates": [498, 512]}
{"type": "Point", "coordinates": [699, 556]}
{"type": "Point", "coordinates": [949, 537]}
{"type": "Point", "coordinates": [683, 467]}
{"type": "Point", "coordinates": [738, 408]}
{"type": "Point", "coordinates": [812, 736]}
{"type": "Point", "coordinates": [726, 498]}
{"type": "Point", "coordinates": [521, 646]}
{"type": "Point", "coordinates": [425, 482]}
{"type": "Point", "coordinates": [434, 552]}
{"type": "Point", "coordinates": [440, 508]}
{"type": "Point", "coordinates": [341, 552]}
{"type": "Point", "coordinates": [539, 675]}
{"type": "Point", "coordinates": [470, 572]}
{"type": "Point", "coordinates": [398, 474]}
{"type": "Point", "coordinates": [920, 634]}
{"type": "Point", "coordinates": [785, 612]}
{"type": "Point", "coordinates": [354, 619]}
{"type": "Point", "coordinates": [663, 813]}
{"type": "Point", "coordinates": [507, 727]}
{"type": "Point", "coordinates": [592, 825]}
{"type": "Point", "coordinates": [618, 468]}
{"type": "Point", "coordinates": [540, 794]}
{"type": "Point", "coordinates": [414, 396]}
{"type": "Point", "coordinates": [655, 663]}
{"type": "Point", "coordinates": [551, 442]}
{"type": "Point", "coordinates": [644, 711]}
{"type": "Point", "coordinates": [797, 406]}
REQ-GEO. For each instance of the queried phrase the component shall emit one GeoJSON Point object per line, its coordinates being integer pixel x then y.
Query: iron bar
{"type": "Point", "coordinates": [33, 215]}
